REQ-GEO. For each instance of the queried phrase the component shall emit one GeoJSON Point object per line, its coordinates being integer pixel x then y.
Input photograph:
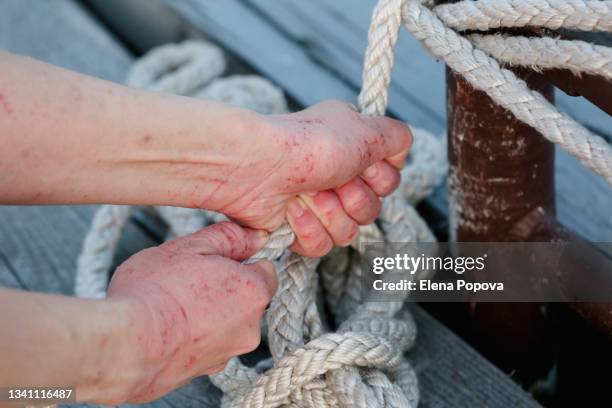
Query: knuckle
{"type": "Point", "coordinates": [259, 294]}
{"type": "Point", "coordinates": [357, 201]}
{"type": "Point", "coordinates": [309, 231]}
{"type": "Point", "coordinates": [229, 230]}
{"type": "Point", "coordinates": [321, 247]}
{"type": "Point", "coordinates": [348, 236]}
{"type": "Point", "coordinates": [389, 183]}
{"type": "Point", "coordinates": [230, 234]}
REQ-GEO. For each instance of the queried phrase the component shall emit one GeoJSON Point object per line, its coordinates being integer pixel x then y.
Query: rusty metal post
{"type": "Point", "coordinates": [499, 170]}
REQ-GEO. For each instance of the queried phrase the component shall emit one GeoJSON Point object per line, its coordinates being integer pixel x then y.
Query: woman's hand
{"type": "Point", "coordinates": [194, 306]}
{"type": "Point", "coordinates": [324, 169]}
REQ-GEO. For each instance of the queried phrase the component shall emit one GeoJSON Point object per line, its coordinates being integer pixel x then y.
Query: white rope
{"type": "Point", "coordinates": [309, 367]}
{"type": "Point", "coordinates": [546, 53]}
{"type": "Point", "coordinates": [585, 15]}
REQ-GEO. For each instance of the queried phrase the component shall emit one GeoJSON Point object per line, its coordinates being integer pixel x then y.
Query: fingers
{"type": "Point", "coordinates": [359, 201]}
{"type": "Point", "coordinates": [225, 239]}
{"type": "Point", "coordinates": [327, 207]}
{"type": "Point", "coordinates": [382, 178]}
{"type": "Point", "coordinates": [311, 238]}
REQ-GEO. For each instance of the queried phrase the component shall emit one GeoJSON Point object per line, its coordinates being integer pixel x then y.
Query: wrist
{"type": "Point", "coordinates": [181, 155]}
{"type": "Point", "coordinates": [118, 363]}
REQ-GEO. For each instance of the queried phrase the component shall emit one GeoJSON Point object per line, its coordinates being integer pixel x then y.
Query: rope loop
{"type": "Point", "coordinates": [362, 364]}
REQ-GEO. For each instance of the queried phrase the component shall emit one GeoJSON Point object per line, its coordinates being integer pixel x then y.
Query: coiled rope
{"type": "Point", "coordinates": [362, 363]}
{"type": "Point", "coordinates": [363, 360]}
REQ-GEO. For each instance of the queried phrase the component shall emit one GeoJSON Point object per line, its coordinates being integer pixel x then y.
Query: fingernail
{"type": "Point", "coordinates": [371, 171]}
{"type": "Point", "coordinates": [263, 235]}
{"type": "Point", "coordinates": [295, 209]}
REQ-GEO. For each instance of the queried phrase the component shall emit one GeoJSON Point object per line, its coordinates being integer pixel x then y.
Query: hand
{"type": "Point", "coordinates": [324, 169]}
{"type": "Point", "coordinates": [195, 306]}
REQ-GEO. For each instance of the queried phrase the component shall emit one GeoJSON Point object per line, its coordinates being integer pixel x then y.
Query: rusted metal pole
{"type": "Point", "coordinates": [499, 170]}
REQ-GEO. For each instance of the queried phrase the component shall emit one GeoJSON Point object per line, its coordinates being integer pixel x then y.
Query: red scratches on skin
{"type": "Point", "coordinates": [369, 144]}
{"type": "Point", "coordinates": [302, 171]}
{"type": "Point", "coordinates": [353, 234]}
{"type": "Point", "coordinates": [191, 361]}
{"type": "Point", "coordinates": [97, 379]}
{"type": "Point", "coordinates": [5, 105]}
{"type": "Point", "coordinates": [292, 181]}
{"type": "Point", "coordinates": [309, 163]}
{"type": "Point", "coordinates": [290, 143]}
{"type": "Point", "coordinates": [183, 312]}
{"type": "Point", "coordinates": [315, 121]}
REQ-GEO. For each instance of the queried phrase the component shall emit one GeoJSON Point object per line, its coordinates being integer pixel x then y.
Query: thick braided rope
{"type": "Point", "coordinates": [584, 15]}
{"type": "Point", "coordinates": [296, 330]}
{"type": "Point", "coordinates": [485, 73]}
{"type": "Point", "coordinates": [545, 53]}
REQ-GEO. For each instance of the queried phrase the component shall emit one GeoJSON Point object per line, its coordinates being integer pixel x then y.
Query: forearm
{"type": "Point", "coordinates": [68, 138]}
{"type": "Point", "coordinates": [49, 340]}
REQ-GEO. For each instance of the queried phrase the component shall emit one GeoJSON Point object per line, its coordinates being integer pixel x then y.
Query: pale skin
{"type": "Point", "coordinates": [184, 308]}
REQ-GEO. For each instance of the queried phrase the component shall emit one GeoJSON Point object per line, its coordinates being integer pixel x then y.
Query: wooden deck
{"type": "Point", "coordinates": [297, 44]}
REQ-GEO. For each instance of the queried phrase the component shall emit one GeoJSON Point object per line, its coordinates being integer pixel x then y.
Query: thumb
{"type": "Point", "coordinates": [225, 239]}
{"type": "Point", "coordinates": [266, 271]}
{"type": "Point", "coordinates": [393, 142]}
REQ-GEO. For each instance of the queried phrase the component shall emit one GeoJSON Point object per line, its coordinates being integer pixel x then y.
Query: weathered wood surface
{"type": "Point", "coordinates": [324, 41]}
{"type": "Point", "coordinates": [62, 33]}
{"type": "Point", "coordinates": [39, 245]}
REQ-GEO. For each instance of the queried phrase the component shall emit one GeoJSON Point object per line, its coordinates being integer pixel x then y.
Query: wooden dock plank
{"type": "Point", "coordinates": [62, 33]}
{"type": "Point", "coordinates": [453, 374]}
{"type": "Point", "coordinates": [240, 30]}
{"type": "Point", "coordinates": [41, 244]}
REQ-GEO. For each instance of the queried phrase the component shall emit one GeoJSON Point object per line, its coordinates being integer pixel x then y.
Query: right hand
{"type": "Point", "coordinates": [195, 305]}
